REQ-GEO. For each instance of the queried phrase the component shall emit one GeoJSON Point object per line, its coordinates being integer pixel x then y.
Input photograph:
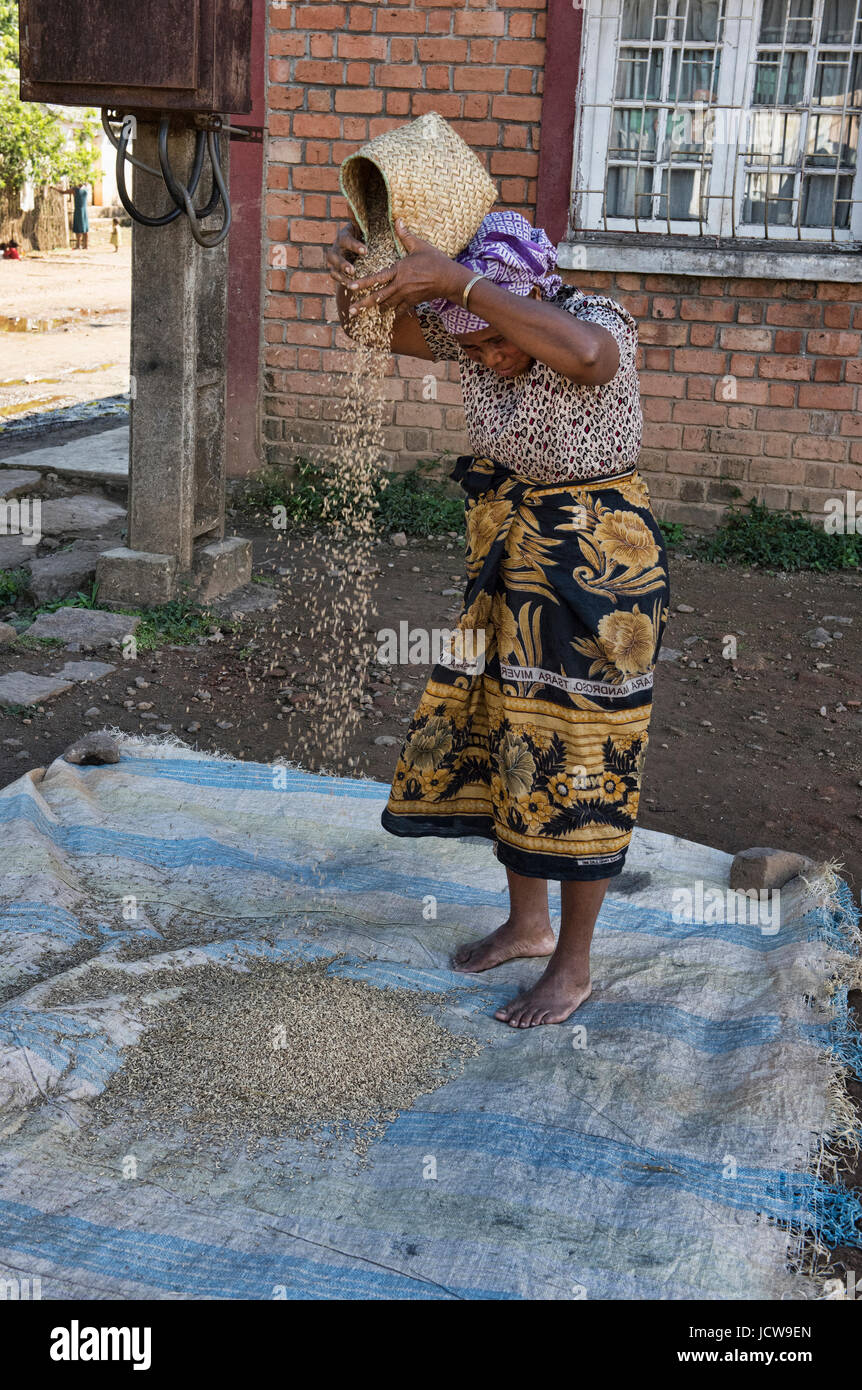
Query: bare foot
{"type": "Point", "coordinates": [512, 941]}
{"type": "Point", "coordinates": [551, 1000]}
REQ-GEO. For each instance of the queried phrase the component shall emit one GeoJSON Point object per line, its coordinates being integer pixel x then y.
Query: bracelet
{"type": "Point", "coordinates": [468, 287]}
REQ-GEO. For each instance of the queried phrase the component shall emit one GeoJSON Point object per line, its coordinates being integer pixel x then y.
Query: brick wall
{"type": "Point", "coordinates": [749, 384]}
{"type": "Point", "coordinates": [746, 384]}
{"type": "Point", "coordinates": [339, 74]}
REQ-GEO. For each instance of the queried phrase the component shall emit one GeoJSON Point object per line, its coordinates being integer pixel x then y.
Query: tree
{"type": "Point", "coordinates": [33, 142]}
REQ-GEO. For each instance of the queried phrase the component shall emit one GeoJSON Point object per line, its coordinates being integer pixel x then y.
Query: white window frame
{"type": "Point", "coordinates": [802, 251]}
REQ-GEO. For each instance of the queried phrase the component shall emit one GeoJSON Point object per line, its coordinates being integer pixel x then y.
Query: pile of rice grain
{"type": "Point", "coordinates": [280, 1050]}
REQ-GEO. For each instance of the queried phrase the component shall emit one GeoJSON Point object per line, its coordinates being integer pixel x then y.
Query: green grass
{"type": "Point", "coordinates": [315, 495]}
{"type": "Point", "coordinates": [26, 643]}
{"type": "Point", "coordinates": [180, 622]}
{"type": "Point", "coordinates": [757, 536]}
{"type": "Point", "coordinates": [13, 583]}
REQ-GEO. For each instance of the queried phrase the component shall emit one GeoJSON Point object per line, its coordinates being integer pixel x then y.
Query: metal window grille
{"type": "Point", "coordinates": [731, 118]}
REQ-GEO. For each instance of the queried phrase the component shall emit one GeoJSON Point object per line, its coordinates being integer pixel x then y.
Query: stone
{"type": "Point", "coordinates": [14, 554]}
{"type": "Point", "coordinates": [834, 618]}
{"type": "Point", "coordinates": [193, 727]}
{"type": "Point", "coordinates": [7, 634]}
{"type": "Point", "coordinates": [684, 608]}
{"type": "Point", "coordinates": [17, 480]}
{"type": "Point", "coordinates": [20, 688]}
{"type": "Point", "coordinates": [252, 598]}
{"type": "Point", "coordinates": [93, 712]}
{"type": "Point", "coordinates": [669, 654]}
{"type": "Point", "coordinates": [767, 868]}
{"type": "Point", "coordinates": [95, 747]}
{"type": "Point", "coordinates": [82, 514]}
{"type": "Point", "coordinates": [100, 456]}
{"type": "Point", "coordinates": [85, 671]}
{"type": "Point", "coordinates": [398, 538]}
{"type": "Point", "coordinates": [817, 637]}
{"type": "Point", "coordinates": [135, 577]}
{"type": "Point", "coordinates": [385, 741]}
{"type": "Point", "coordinates": [85, 629]}
{"type": "Point", "coordinates": [64, 572]}
{"type": "Point", "coordinates": [222, 567]}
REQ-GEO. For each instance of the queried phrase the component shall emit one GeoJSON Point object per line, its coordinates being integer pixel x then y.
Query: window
{"type": "Point", "coordinates": [731, 119]}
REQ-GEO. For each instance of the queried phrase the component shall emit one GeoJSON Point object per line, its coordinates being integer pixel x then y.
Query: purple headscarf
{"type": "Point", "coordinates": [511, 253]}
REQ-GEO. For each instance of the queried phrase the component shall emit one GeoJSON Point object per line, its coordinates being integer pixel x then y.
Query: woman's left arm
{"type": "Point", "coordinates": [583, 352]}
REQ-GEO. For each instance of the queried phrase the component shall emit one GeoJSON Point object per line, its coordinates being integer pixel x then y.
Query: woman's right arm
{"type": "Point", "coordinates": [407, 336]}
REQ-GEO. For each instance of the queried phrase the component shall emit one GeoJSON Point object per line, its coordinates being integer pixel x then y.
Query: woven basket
{"type": "Point", "coordinates": [430, 178]}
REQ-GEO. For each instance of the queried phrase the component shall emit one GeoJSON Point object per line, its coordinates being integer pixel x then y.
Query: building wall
{"type": "Point", "coordinates": [338, 75]}
{"type": "Point", "coordinates": [746, 384]}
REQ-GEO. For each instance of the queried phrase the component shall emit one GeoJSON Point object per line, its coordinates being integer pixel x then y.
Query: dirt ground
{"type": "Point", "coordinates": [65, 320]}
{"type": "Point", "coordinates": [740, 752]}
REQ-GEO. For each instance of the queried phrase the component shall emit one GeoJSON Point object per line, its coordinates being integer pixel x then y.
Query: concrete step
{"type": "Point", "coordinates": [102, 457]}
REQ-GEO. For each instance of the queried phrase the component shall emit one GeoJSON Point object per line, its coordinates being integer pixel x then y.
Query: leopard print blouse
{"type": "Point", "coordinates": [541, 425]}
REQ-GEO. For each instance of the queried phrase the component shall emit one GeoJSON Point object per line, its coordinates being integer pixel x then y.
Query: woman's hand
{"type": "Point", "coordinates": [424, 273]}
{"type": "Point", "coordinates": [347, 243]}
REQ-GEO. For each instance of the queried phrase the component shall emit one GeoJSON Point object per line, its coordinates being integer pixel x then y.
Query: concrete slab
{"type": "Point", "coordinates": [20, 688]}
{"type": "Point", "coordinates": [84, 629]}
{"type": "Point", "coordinates": [85, 671]}
{"type": "Point", "coordinates": [80, 515]}
{"type": "Point", "coordinates": [17, 480]}
{"type": "Point", "coordinates": [102, 457]}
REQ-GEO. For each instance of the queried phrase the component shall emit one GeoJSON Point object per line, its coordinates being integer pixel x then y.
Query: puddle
{"type": "Point", "coordinates": [25, 324]}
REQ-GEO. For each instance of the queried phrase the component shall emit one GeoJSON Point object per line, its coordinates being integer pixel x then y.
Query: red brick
{"type": "Point", "coordinates": [504, 162]}
{"type": "Point", "coordinates": [447, 104]}
{"type": "Point", "coordinates": [522, 80]}
{"type": "Point", "coordinates": [475, 106]}
{"type": "Point", "coordinates": [319, 99]}
{"type": "Point", "coordinates": [515, 137]}
{"type": "Point", "coordinates": [740, 339]}
{"type": "Point", "coordinates": [480, 22]}
{"type": "Point", "coordinates": [708, 310]}
{"type": "Point", "coordinates": [785, 421]}
{"type": "Point", "coordinates": [402, 50]}
{"type": "Point", "coordinates": [316, 126]}
{"type": "Point", "coordinates": [361, 46]}
{"type": "Point", "coordinates": [702, 335]}
{"type": "Point", "coordinates": [482, 51]}
{"type": "Point", "coordinates": [399, 75]}
{"type": "Point", "coordinates": [785, 368]}
{"type": "Point", "coordinates": [786, 341]}
{"type": "Point", "coordinates": [442, 50]}
{"type": "Point", "coordinates": [321, 45]}
{"type": "Point", "coordinates": [355, 99]}
{"type": "Point", "coordinates": [793, 315]}
{"type": "Point", "coordinates": [827, 397]}
{"type": "Point", "coordinates": [506, 108]}
{"type": "Point", "coordinates": [437, 77]}
{"type": "Point", "coordinates": [837, 315]}
{"type": "Point", "coordinates": [398, 103]}
{"type": "Point", "coordinates": [391, 21]}
{"type": "Point", "coordinates": [828, 369]}
{"type": "Point", "coordinates": [319, 16]}
{"type": "Point", "coordinates": [521, 26]}
{"type": "Point", "coordinates": [470, 79]}
{"type": "Point", "coordinates": [522, 53]}
{"type": "Point", "coordinates": [835, 344]}
{"type": "Point", "coordinates": [302, 229]}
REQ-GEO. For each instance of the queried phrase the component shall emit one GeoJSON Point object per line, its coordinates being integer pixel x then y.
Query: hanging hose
{"type": "Point", "coordinates": [181, 195]}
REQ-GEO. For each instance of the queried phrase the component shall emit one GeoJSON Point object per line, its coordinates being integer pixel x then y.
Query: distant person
{"type": "Point", "coordinates": [11, 251]}
{"type": "Point", "coordinates": [115, 233]}
{"type": "Point", "coordinates": [80, 222]}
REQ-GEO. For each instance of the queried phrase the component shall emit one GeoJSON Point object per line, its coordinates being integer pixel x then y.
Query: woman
{"type": "Point", "coordinates": [80, 221]}
{"type": "Point", "coordinates": [542, 750]}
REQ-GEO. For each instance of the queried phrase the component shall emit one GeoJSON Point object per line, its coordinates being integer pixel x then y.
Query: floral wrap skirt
{"type": "Point", "coordinates": [533, 733]}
